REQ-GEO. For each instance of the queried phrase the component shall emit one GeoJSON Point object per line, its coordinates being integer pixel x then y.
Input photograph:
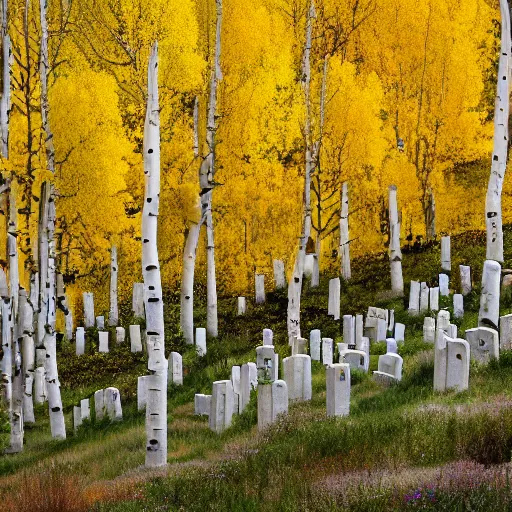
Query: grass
{"type": "Point", "coordinates": [393, 452]}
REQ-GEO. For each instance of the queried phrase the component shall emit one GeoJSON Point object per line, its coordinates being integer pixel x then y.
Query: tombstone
{"type": "Point", "coordinates": [103, 345]}
{"type": "Point", "coordinates": [391, 321]}
{"type": "Point", "coordinates": [389, 369]}
{"type": "Point", "coordinates": [279, 275]}
{"type": "Point", "coordinates": [349, 334]}
{"type": "Point", "coordinates": [337, 378]}
{"type": "Point", "coordinates": [268, 337]}
{"type": "Point", "coordinates": [327, 351]}
{"type": "Point", "coordinates": [100, 322]}
{"type": "Point", "coordinates": [138, 300]}
{"type": "Point", "coordinates": [484, 343]}
{"type": "Point", "coordinates": [443, 320]}
{"type": "Point", "coordinates": [458, 306]}
{"type": "Point", "coordinates": [235, 381]}
{"type": "Point", "coordinates": [113, 404]}
{"type": "Point", "coordinates": [451, 363]}
{"type": "Point", "coordinates": [357, 359]}
{"type": "Point", "coordinates": [489, 313]}
{"type": "Point", "coordinates": [382, 330]}
{"type": "Point", "coordinates": [391, 346]}
{"type": "Point", "coordinates": [446, 260]}
{"type": "Point", "coordinates": [506, 332]}
{"type": "Point", "coordinates": [175, 373]}
{"type": "Point", "coordinates": [202, 404]}
{"type": "Point", "coordinates": [245, 387]}
{"type": "Point", "coordinates": [297, 374]}
{"type": "Point", "coordinates": [334, 298]}
{"type": "Point", "coordinates": [299, 346]}
{"type": "Point", "coordinates": [359, 330]}
{"type": "Point", "coordinates": [142, 392]}
{"type": "Point", "coordinates": [434, 299]}
{"type": "Point", "coordinates": [414, 298]}
{"type": "Point", "coordinates": [77, 418]}
{"type": "Point", "coordinates": [89, 318]}
{"type": "Point", "coordinates": [365, 347]}
{"type": "Point", "coordinates": [253, 375]}
{"type": "Point", "coordinates": [424, 295]}
{"type": "Point", "coordinates": [429, 330]}
{"type": "Point", "coordinates": [259, 283]}
{"type": "Point", "coordinates": [201, 341]}
{"type": "Point", "coordinates": [99, 404]}
{"type": "Point", "coordinates": [264, 365]}
{"type": "Point", "coordinates": [279, 398]}
{"type": "Point", "coordinates": [399, 332]}
{"type": "Point", "coordinates": [444, 285]}
{"type": "Point", "coordinates": [221, 406]}
{"type": "Point", "coordinates": [80, 341]}
{"type": "Point", "coordinates": [135, 342]}
{"type": "Point", "coordinates": [309, 265]}
{"type": "Point", "coordinates": [85, 409]}
{"type": "Point", "coordinates": [465, 279]}
{"type": "Point", "coordinates": [451, 332]}
{"type": "Point", "coordinates": [120, 335]}
{"type": "Point", "coordinates": [69, 325]}
{"type": "Point", "coordinates": [315, 344]}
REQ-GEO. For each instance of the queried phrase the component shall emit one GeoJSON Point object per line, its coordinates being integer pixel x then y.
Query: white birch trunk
{"type": "Point", "coordinates": [25, 334]}
{"type": "Point", "coordinates": [57, 425]}
{"type": "Point", "coordinates": [344, 235]}
{"type": "Point", "coordinates": [156, 410]}
{"type": "Point", "coordinates": [493, 213]}
{"type": "Point", "coordinates": [16, 417]}
{"type": "Point", "coordinates": [113, 316]}
{"type": "Point", "coordinates": [12, 251]}
{"type": "Point", "coordinates": [395, 252]}
{"type": "Point", "coordinates": [6, 367]}
{"type": "Point", "coordinates": [5, 100]}
{"type": "Point", "coordinates": [295, 285]}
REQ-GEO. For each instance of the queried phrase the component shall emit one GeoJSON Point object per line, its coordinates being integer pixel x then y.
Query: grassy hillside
{"type": "Point", "coordinates": [401, 448]}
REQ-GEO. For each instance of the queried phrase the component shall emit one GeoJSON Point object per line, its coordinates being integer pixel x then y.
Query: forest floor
{"type": "Point", "coordinates": [402, 448]}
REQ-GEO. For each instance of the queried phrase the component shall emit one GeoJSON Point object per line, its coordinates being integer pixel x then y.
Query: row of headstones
{"type": "Point", "coordinates": [107, 403]}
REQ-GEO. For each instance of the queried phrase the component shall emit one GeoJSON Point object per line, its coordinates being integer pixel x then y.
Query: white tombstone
{"type": "Point", "coordinates": [113, 404]}
{"type": "Point", "coordinates": [241, 306]}
{"type": "Point", "coordinates": [365, 347]}
{"type": "Point", "coordinates": [484, 343]}
{"type": "Point", "coordinates": [77, 418]}
{"type": "Point", "coordinates": [434, 299]}
{"type": "Point", "coordinates": [253, 375]}
{"type": "Point", "coordinates": [391, 346]}
{"type": "Point", "coordinates": [80, 341]}
{"type": "Point", "coordinates": [506, 332]}
{"type": "Point", "coordinates": [299, 346]}
{"type": "Point", "coordinates": [201, 341]}
{"type": "Point", "coordinates": [451, 332]}
{"type": "Point", "coordinates": [334, 298]}
{"type": "Point", "coordinates": [235, 381]}
{"type": "Point", "coordinates": [443, 320]}
{"type": "Point", "coordinates": [175, 372]}
{"type": "Point", "coordinates": [142, 392]}
{"type": "Point", "coordinates": [279, 398]}
{"type": "Point", "coordinates": [359, 331]}
{"type": "Point", "coordinates": [245, 387]}
{"type": "Point", "coordinates": [297, 374]}
{"type": "Point", "coordinates": [458, 306]}
{"type": "Point", "coordinates": [259, 283]}
{"type": "Point", "coordinates": [279, 275]}
{"type": "Point", "coordinates": [446, 259]}
{"type": "Point", "coordinates": [99, 404]}
{"type": "Point", "coordinates": [444, 285]}
{"type": "Point", "coordinates": [349, 333]}
{"type": "Point", "coordinates": [327, 351]}
{"type": "Point", "coordinates": [389, 369]}
{"type": "Point", "coordinates": [338, 389]}
{"type": "Point", "coordinates": [489, 313]}
{"type": "Point", "coordinates": [268, 337]}
{"type": "Point", "coordinates": [120, 335]}
{"type": "Point", "coordinates": [222, 405]}
{"type": "Point", "coordinates": [309, 265]}
{"type": "Point", "coordinates": [357, 359]}
{"type": "Point", "coordinates": [429, 330]}
{"type": "Point", "coordinates": [85, 409]}
{"type": "Point", "coordinates": [89, 318]}
{"type": "Point", "coordinates": [138, 300]}
{"type": "Point", "coordinates": [264, 364]}
{"type": "Point", "coordinates": [414, 298]}
{"type": "Point", "coordinates": [451, 363]}
{"type": "Point", "coordinates": [100, 322]}
{"type": "Point", "coordinates": [399, 332]}
{"type": "Point", "coordinates": [382, 329]}
{"type": "Point", "coordinates": [465, 279]}
{"type": "Point", "coordinates": [135, 341]}
{"type": "Point", "coordinates": [391, 321]}
{"type": "Point", "coordinates": [202, 404]}
{"type": "Point", "coordinates": [103, 338]}
{"type": "Point", "coordinates": [315, 344]}
{"type": "Point", "coordinates": [424, 296]}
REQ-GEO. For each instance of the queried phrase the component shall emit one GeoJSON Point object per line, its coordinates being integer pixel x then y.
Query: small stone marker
{"type": "Point", "coordinates": [268, 337]}
{"type": "Point", "coordinates": [135, 341]}
{"type": "Point", "coordinates": [424, 296]}
{"type": "Point", "coordinates": [465, 279]}
{"type": "Point", "coordinates": [414, 298]}
{"type": "Point", "coordinates": [103, 338]}
{"type": "Point", "coordinates": [120, 335]}
{"type": "Point", "coordinates": [279, 398]}
{"type": "Point", "coordinates": [142, 392]}
{"type": "Point", "coordinates": [451, 363]}
{"type": "Point", "coordinates": [446, 260]}
{"type": "Point", "coordinates": [253, 375]}
{"type": "Point", "coordinates": [357, 359]}
{"type": "Point", "coordinates": [201, 341]}
{"type": "Point", "coordinates": [315, 344]}
{"type": "Point", "coordinates": [221, 406]}
{"type": "Point", "coordinates": [399, 332]}
{"type": "Point", "coordinates": [490, 297]}
{"type": "Point", "coordinates": [359, 330]}
{"type": "Point", "coordinates": [235, 381]}
{"type": "Point", "coordinates": [391, 346]}
{"type": "Point", "coordinates": [245, 387]}
{"type": "Point", "coordinates": [175, 373]}
{"type": "Point", "coordinates": [77, 418]}
{"type": "Point", "coordinates": [279, 275]}
{"type": "Point", "coordinates": [452, 331]}
{"type": "Point", "coordinates": [89, 318]}
{"type": "Point", "coordinates": [458, 306]}
{"type": "Point", "coordinates": [484, 344]}
{"type": "Point", "coordinates": [241, 306]}
{"type": "Point", "coordinates": [349, 333]}
{"type": "Point", "coordinates": [391, 321]}
{"type": "Point", "coordinates": [202, 404]}
{"type": "Point", "coordinates": [434, 299]}
{"type": "Point", "coordinates": [297, 374]}
{"type": "Point", "coordinates": [99, 404]}
{"type": "Point", "coordinates": [113, 404]}
{"type": "Point", "coordinates": [389, 369]}
{"type": "Point", "coordinates": [100, 322]}
{"type": "Point", "coordinates": [259, 283]}
{"type": "Point", "coordinates": [85, 409]}
{"type": "Point", "coordinates": [138, 300]}
{"type": "Point", "coordinates": [444, 285]}
{"type": "Point", "coordinates": [338, 389]}
{"type": "Point", "coordinates": [299, 346]}
{"type": "Point", "coordinates": [382, 329]}
{"type": "Point", "coordinates": [334, 298]}
{"type": "Point", "coordinates": [264, 365]}
{"type": "Point", "coordinates": [443, 320]}
{"type": "Point", "coordinates": [80, 341]}
{"type": "Point", "coordinates": [506, 332]}
{"type": "Point", "coordinates": [327, 351]}
{"type": "Point", "coordinates": [429, 330]}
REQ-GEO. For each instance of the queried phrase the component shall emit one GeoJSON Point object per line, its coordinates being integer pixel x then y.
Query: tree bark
{"type": "Point", "coordinates": [344, 235]}
{"type": "Point", "coordinates": [113, 317]}
{"type": "Point", "coordinates": [493, 213]}
{"type": "Point", "coordinates": [5, 100]}
{"type": "Point", "coordinates": [156, 410]}
{"type": "Point", "coordinates": [12, 250]}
